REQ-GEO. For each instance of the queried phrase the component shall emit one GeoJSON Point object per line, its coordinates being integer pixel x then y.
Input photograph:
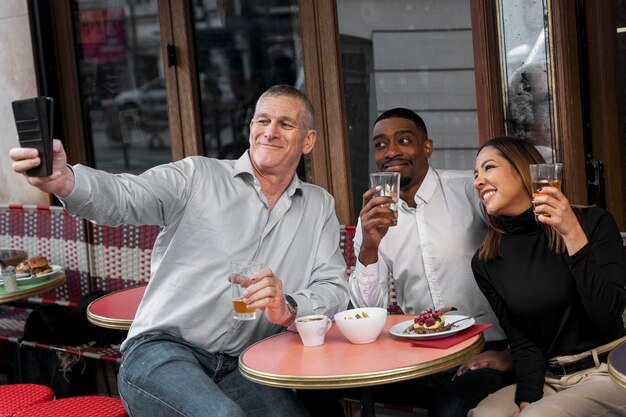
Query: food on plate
{"type": "Point", "coordinates": [39, 265]}
{"type": "Point", "coordinates": [23, 268]}
{"type": "Point", "coordinates": [362, 315]}
{"type": "Point", "coordinates": [430, 321]}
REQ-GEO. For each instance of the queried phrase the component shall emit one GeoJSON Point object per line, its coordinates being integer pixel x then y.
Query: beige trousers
{"type": "Point", "coordinates": [588, 393]}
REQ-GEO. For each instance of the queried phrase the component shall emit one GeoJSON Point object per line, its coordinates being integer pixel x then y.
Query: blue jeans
{"type": "Point", "coordinates": [162, 375]}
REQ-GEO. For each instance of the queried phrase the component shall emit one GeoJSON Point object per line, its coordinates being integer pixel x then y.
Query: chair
{"type": "Point", "coordinates": [51, 232]}
{"type": "Point", "coordinates": [17, 397]}
{"type": "Point", "coordinates": [346, 238]}
{"type": "Point", "coordinates": [95, 257]}
{"type": "Point", "coordinates": [120, 256]}
{"type": "Point", "coordinates": [92, 406]}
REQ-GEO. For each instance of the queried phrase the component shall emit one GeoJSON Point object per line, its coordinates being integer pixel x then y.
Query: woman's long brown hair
{"type": "Point", "coordinates": [520, 154]}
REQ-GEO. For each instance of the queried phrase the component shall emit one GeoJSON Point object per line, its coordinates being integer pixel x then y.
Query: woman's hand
{"type": "Point", "coordinates": [522, 405]}
{"type": "Point", "coordinates": [561, 217]}
{"type": "Point", "coordinates": [501, 360]}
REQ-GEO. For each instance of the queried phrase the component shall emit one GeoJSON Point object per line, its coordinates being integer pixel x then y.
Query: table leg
{"type": "Point", "coordinates": [367, 403]}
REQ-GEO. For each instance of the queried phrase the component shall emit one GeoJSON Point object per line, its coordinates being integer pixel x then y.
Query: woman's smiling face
{"type": "Point", "coordinates": [498, 185]}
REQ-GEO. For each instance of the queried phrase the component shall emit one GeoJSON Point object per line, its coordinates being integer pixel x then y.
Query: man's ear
{"type": "Point", "coordinates": [309, 141]}
{"type": "Point", "coordinates": [428, 147]}
{"type": "Point", "coordinates": [250, 130]}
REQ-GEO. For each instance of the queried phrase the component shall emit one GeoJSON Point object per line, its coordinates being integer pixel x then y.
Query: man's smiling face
{"type": "Point", "coordinates": [400, 146]}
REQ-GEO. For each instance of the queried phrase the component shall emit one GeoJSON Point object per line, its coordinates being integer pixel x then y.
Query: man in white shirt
{"type": "Point", "coordinates": [427, 249]}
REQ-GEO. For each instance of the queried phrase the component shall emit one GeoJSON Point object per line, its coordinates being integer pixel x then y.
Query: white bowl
{"type": "Point", "coordinates": [363, 330]}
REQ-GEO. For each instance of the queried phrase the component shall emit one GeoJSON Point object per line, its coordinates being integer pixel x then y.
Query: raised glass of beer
{"type": "Point", "coordinates": [389, 183]}
{"type": "Point", "coordinates": [545, 175]}
{"type": "Point", "coordinates": [240, 279]}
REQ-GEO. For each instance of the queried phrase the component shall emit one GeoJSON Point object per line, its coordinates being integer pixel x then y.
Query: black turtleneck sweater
{"type": "Point", "coordinates": [553, 304]}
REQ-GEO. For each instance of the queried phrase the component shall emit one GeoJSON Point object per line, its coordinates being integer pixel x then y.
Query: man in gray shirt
{"type": "Point", "coordinates": [180, 357]}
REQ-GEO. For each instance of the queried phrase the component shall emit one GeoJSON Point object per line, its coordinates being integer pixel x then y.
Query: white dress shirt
{"type": "Point", "coordinates": [429, 252]}
{"type": "Point", "coordinates": [213, 211]}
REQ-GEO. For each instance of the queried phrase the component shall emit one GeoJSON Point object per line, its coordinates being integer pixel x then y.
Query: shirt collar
{"type": "Point", "coordinates": [428, 187]}
{"type": "Point", "coordinates": [243, 168]}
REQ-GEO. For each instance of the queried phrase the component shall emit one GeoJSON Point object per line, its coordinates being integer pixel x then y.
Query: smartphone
{"type": "Point", "coordinates": [34, 120]}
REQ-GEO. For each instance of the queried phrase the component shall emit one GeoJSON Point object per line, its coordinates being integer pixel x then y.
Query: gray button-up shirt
{"type": "Point", "coordinates": [212, 211]}
{"type": "Point", "coordinates": [429, 252]}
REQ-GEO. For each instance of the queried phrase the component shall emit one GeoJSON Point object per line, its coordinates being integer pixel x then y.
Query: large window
{"type": "Point", "coordinates": [124, 103]}
{"type": "Point", "coordinates": [241, 49]}
{"type": "Point", "coordinates": [445, 59]}
{"type": "Point", "coordinates": [527, 73]}
{"type": "Point", "coordinates": [392, 57]}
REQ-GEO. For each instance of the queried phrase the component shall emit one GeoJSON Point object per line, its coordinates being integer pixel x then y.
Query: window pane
{"type": "Point", "coordinates": [242, 48]}
{"type": "Point", "coordinates": [415, 54]}
{"type": "Point", "coordinates": [525, 52]}
{"type": "Point", "coordinates": [121, 83]}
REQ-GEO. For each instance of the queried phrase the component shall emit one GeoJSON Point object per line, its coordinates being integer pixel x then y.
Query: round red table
{"type": "Point", "coordinates": [116, 310]}
{"type": "Point", "coordinates": [283, 361]}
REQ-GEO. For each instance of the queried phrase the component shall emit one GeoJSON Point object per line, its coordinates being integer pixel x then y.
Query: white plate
{"type": "Point", "coordinates": [398, 329]}
{"type": "Point", "coordinates": [23, 279]}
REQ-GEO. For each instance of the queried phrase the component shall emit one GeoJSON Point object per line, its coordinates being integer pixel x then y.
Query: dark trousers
{"type": "Point", "coordinates": [437, 393]}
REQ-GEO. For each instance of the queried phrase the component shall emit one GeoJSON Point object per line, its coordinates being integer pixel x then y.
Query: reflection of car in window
{"type": "Point", "coordinates": [143, 108]}
{"type": "Point", "coordinates": [149, 98]}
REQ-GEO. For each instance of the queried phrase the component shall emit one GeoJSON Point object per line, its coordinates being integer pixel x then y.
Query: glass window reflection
{"type": "Point", "coordinates": [121, 81]}
{"type": "Point", "coordinates": [242, 48]}
{"type": "Point", "coordinates": [528, 91]}
{"type": "Point", "coordinates": [416, 54]}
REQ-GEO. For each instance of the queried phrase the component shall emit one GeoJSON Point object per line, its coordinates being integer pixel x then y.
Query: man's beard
{"type": "Point", "coordinates": [404, 182]}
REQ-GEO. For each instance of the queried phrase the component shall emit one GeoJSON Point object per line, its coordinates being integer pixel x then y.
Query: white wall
{"type": "Point", "coordinates": [17, 80]}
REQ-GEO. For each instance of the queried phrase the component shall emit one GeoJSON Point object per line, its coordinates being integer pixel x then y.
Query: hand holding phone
{"type": "Point", "coordinates": [34, 122]}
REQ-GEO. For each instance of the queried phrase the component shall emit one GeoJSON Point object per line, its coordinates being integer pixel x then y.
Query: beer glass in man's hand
{"type": "Point", "coordinates": [388, 184]}
{"type": "Point", "coordinates": [240, 279]}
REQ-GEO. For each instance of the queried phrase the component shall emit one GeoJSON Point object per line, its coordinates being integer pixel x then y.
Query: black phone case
{"type": "Point", "coordinates": [34, 123]}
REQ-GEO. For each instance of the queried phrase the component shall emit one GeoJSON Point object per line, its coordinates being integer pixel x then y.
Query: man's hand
{"type": "Point", "coordinates": [265, 292]}
{"type": "Point", "coordinates": [501, 360]}
{"type": "Point", "coordinates": [376, 219]}
{"type": "Point", "coordinates": [61, 182]}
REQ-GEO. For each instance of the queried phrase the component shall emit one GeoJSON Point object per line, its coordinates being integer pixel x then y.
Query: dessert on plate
{"type": "Point", "coordinates": [430, 321]}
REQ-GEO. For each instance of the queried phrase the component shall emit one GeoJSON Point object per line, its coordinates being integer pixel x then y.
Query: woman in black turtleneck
{"type": "Point", "coordinates": [557, 287]}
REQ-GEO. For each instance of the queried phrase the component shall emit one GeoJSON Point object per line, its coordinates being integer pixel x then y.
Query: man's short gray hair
{"type": "Point", "coordinates": [289, 91]}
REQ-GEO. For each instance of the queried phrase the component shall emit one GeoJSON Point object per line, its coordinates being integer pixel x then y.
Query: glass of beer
{"type": "Point", "coordinates": [389, 183]}
{"type": "Point", "coordinates": [545, 175]}
{"type": "Point", "coordinates": [240, 279]}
